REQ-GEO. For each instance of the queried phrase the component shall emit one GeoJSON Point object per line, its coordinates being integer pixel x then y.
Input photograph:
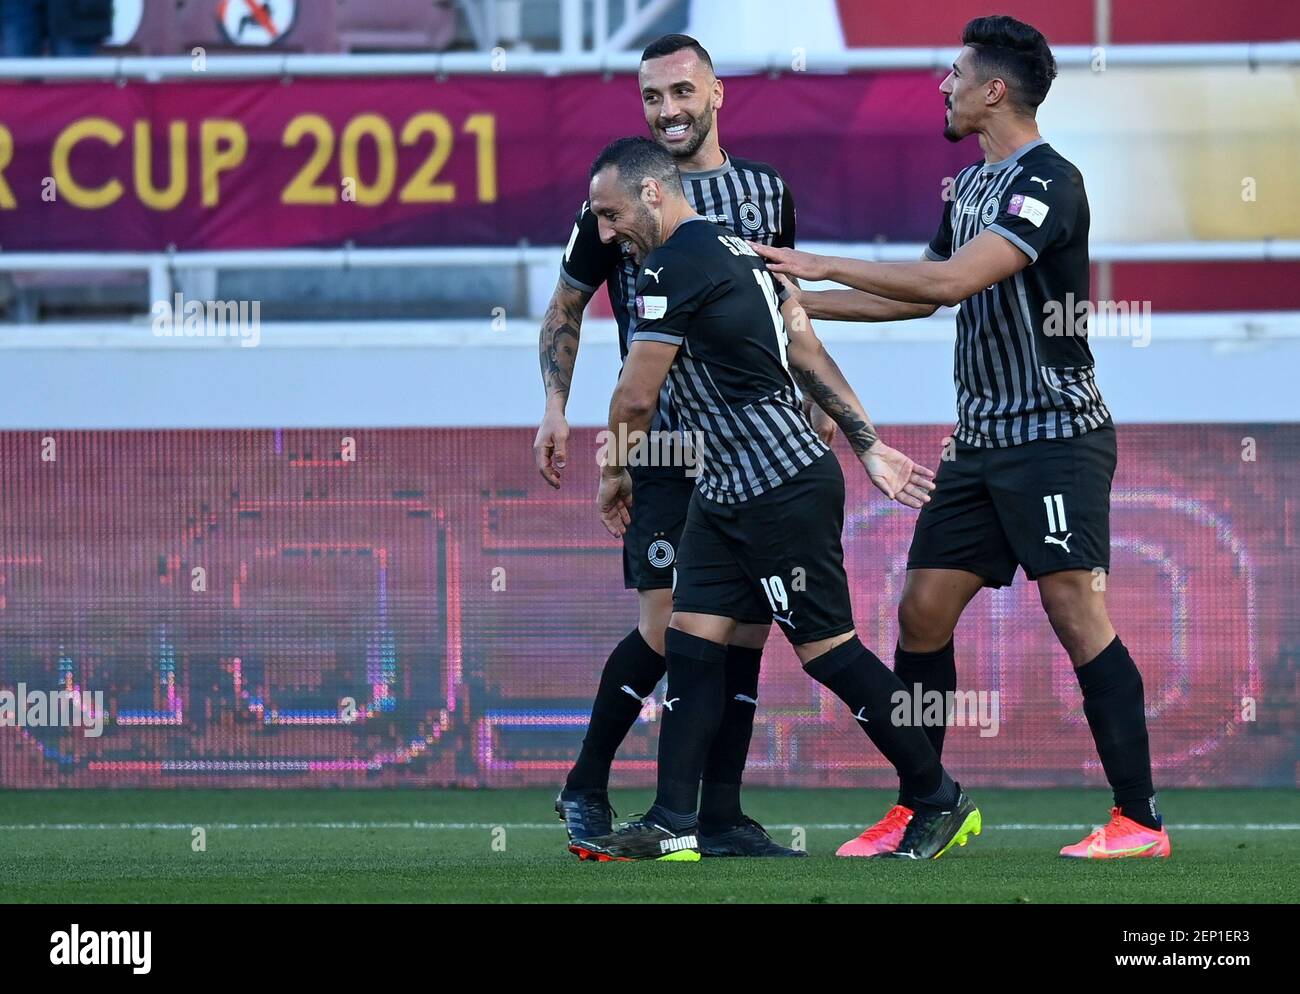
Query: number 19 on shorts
{"type": "Point", "coordinates": [776, 595]}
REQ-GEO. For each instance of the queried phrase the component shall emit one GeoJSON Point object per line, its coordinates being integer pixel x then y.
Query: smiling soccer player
{"type": "Point", "coordinates": [1035, 446]}
{"type": "Point", "coordinates": [681, 98]}
{"type": "Point", "coordinates": [768, 506]}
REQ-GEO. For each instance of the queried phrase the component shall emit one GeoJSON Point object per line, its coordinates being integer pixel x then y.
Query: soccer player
{"type": "Point", "coordinates": [768, 507]}
{"type": "Point", "coordinates": [681, 98]}
{"type": "Point", "coordinates": [1034, 444]}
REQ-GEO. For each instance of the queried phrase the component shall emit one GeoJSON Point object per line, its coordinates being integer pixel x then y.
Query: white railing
{"type": "Point", "coordinates": [1244, 55]}
{"type": "Point", "coordinates": [1240, 327]}
{"type": "Point", "coordinates": [163, 266]}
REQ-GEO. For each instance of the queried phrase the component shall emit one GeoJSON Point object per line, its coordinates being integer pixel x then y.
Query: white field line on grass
{"type": "Point", "coordinates": [454, 826]}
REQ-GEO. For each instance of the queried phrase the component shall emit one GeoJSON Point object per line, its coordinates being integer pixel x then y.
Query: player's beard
{"type": "Point", "coordinates": [701, 128]}
{"type": "Point", "coordinates": [950, 128]}
{"type": "Point", "coordinates": [647, 230]}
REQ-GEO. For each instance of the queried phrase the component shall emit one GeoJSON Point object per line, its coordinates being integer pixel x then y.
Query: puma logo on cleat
{"type": "Point", "coordinates": [861, 717]}
{"type": "Point", "coordinates": [655, 273]}
{"type": "Point", "coordinates": [678, 844]}
{"type": "Point", "coordinates": [669, 704]}
{"type": "Point", "coordinates": [1058, 541]}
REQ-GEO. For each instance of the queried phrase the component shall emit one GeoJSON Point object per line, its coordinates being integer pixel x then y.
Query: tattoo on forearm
{"type": "Point", "coordinates": [857, 429]}
{"type": "Point", "coordinates": [558, 345]}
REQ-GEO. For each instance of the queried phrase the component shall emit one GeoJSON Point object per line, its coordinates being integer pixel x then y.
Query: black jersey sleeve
{"type": "Point", "coordinates": [670, 290]}
{"type": "Point", "coordinates": [785, 236]}
{"type": "Point", "coordinates": [588, 261]}
{"type": "Point", "coordinates": [1037, 210]}
{"type": "Point", "coordinates": [940, 246]}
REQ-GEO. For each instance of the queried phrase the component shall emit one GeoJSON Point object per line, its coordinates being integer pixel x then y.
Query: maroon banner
{"type": "Point", "coordinates": [416, 607]}
{"type": "Point", "coordinates": [418, 161]}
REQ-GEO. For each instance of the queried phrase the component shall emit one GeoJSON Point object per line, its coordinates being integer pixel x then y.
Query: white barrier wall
{"type": "Point", "coordinates": [1196, 368]}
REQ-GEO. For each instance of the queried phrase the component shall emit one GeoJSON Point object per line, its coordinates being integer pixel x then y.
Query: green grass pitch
{"type": "Point", "coordinates": [490, 846]}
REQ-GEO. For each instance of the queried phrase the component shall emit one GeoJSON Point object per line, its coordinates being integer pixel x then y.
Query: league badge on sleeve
{"type": "Point", "coordinates": [1030, 209]}
{"type": "Point", "coordinates": [651, 308]}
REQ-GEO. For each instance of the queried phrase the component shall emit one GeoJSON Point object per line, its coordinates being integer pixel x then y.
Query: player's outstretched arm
{"type": "Point", "coordinates": [894, 474]}
{"type": "Point", "coordinates": [557, 348]}
{"type": "Point", "coordinates": [631, 413]}
{"type": "Point", "coordinates": [987, 259]}
{"type": "Point", "coordinates": [855, 305]}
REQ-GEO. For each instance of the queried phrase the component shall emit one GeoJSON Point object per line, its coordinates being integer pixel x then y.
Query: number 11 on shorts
{"type": "Point", "coordinates": [1055, 504]}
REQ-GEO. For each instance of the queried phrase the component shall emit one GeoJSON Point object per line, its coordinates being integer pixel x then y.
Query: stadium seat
{"type": "Point", "coordinates": [396, 25]}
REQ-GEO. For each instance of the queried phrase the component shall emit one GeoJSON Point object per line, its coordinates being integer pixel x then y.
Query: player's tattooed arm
{"type": "Point", "coordinates": [857, 428]}
{"type": "Point", "coordinates": [558, 343]}
{"type": "Point", "coordinates": [558, 350]}
{"type": "Point", "coordinates": [845, 411]}
{"type": "Point", "coordinates": [821, 380]}
{"type": "Point", "coordinates": [893, 474]}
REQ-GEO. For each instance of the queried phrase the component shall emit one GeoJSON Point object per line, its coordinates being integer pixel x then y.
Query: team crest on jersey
{"type": "Point", "coordinates": [990, 210]}
{"type": "Point", "coordinates": [661, 553]}
{"type": "Point", "coordinates": [750, 216]}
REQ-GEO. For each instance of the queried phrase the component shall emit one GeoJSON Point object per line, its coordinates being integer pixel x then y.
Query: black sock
{"type": "Point", "coordinates": [725, 766]}
{"type": "Point", "coordinates": [630, 674]}
{"type": "Point", "coordinates": [857, 677]}
{"type": "Point", "coordinates": [933, 671]}
{"type": "Point", "coordinates": [1113, 704]}
{"type": "Point", "coordinates": [693, 703]}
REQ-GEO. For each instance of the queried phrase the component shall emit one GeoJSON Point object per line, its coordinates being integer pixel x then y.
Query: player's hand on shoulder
{"type": "Point", "coordinates": [614, 498]}
{"type": "Point", "coordinates": [897, 476]}
{"type": "Point", "coordinates": [792, 288]}
{"type": "Point", "coordinates": [551, 447]}
{"type": "Point", "coordinates": [792, 262]}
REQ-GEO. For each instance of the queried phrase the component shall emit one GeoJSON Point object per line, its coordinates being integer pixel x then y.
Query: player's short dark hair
{"type": "Point", "coordinates": [1015, 51]}
{"type": "Point", "coordinates": [668, 44]}
{"type": "Point", "coordinates": [636, 158]}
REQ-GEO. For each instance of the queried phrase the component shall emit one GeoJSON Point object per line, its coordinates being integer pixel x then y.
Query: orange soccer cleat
{"type": "Point", "coordinates": [882, 837]}
{"type": "Point", "coordinates": [1120, 838]}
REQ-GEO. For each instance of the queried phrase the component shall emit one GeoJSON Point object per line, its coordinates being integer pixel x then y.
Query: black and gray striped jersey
{"type": "Point", "coordinates": [707, 292]}
{"type": "Point", "coordinates": [748, 197]}
{"type": "Point", "coordinates": [1023, 369]}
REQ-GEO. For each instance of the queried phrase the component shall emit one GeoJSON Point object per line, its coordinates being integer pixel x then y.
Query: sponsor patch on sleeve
{"type": "Point", "coordinates": [1030, 209]}
{"type": "Point", "coordinates": [651, 308]}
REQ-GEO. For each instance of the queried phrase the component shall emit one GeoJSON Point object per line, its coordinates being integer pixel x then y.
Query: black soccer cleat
{"type": "Point", "coordinates": [639, 840]}
{"type": "Point", "coordinates": [931, 832]}
{"type": "Point", "coordinates": [748, 838]}
{"type": "Point", "coordinates": [585, 813]}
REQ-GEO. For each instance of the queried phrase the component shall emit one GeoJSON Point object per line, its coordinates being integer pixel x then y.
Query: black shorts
{"type": "Point", "coordinates": [659, 501]}
{"type": "Point", "coordinates": [1043, 505]}
{"type": "Point", "coordinates": [775, 557]}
